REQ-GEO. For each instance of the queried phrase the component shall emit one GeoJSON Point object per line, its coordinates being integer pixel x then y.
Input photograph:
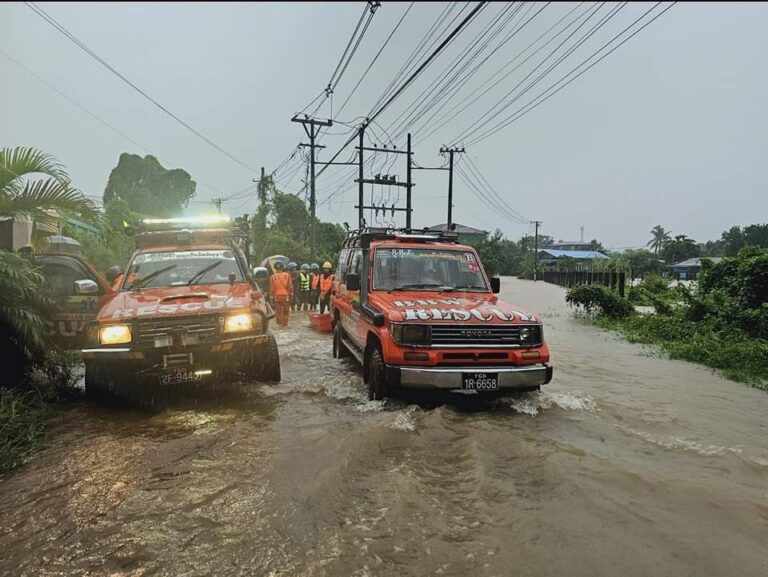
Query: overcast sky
{"type": "Point", "coordinates": [670, 129]}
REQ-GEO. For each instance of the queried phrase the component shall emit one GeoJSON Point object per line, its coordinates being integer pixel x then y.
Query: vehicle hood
{"type": "Point", "coordinates": [181, 300]}
{"type": "Point", "coordinates": [464, 307]}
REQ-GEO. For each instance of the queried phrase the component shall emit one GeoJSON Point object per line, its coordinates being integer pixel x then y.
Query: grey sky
{"type": "Point", "coordinates": [670, 129]}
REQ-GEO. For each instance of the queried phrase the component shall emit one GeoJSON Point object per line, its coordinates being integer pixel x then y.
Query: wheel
{"type": "Point", "coordinates": [266, 365]}
{"type": "Point", "coordinates": [340, 350]}
{"type": "Point", "coordinates": [377, 376]}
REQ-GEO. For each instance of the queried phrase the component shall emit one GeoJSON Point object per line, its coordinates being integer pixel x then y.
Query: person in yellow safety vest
{"type": "Point", "coordinates": [326, 285]}
{"type": "Point", "coordinates": [281, 291]}
{"type": "Point", "coordinates": [305, 286]}
{"type": "Point", "coordinates": [314, 286]}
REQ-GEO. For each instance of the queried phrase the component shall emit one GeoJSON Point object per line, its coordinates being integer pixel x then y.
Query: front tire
{"type": "Point", "coordinates": [267, 362]}
{"type": "Point", "coordinates": [377, 376]}
{"type": "Point", "coordinates": [340, 350]}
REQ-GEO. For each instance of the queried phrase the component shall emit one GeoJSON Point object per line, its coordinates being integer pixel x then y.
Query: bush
{"type": "Point", "coordinates": [22, 422]}
{"type": "Point", "coordinates": [600, 299]}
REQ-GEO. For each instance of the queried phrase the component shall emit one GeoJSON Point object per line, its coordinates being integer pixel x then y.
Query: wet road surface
{"type": "Point", "coordinates": [627, 464]}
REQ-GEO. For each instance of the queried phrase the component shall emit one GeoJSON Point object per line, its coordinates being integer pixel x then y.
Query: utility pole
{"type": "Point", "coordinates": [312, 127]}
{"type": "Point", "coordinates": [409, 183]}
{"type": "Point", "coordinates": [361, 184]}
{"type": "Point", "coordinates": [536, 251]}
{"type": "Point", "coordinates": [451, 152]}
{"type": "Point", "coordinates": [217, 202]}
{"type": "Point", "coordinates": [382, 179]}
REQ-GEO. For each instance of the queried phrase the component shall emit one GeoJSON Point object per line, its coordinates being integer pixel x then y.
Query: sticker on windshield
{"type": "Point", "coordinates": [183, 255]}
{"type": "Point", "coordinates": [472, 264]}
{"type": "Point", "coordinates": [395, 252]}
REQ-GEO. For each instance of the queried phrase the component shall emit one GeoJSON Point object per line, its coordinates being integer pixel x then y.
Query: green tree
{"type": "Point", "coordinates": [679, 249]}
{"type": "Point", "coordinates": [147, 187]}
{"type": "Point", "coordinates": [733, 241]}
{"type": "Point", "coordinates": [658, 237]}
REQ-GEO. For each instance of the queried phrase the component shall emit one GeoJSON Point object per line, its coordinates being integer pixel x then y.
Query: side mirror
{"type": "Point", "coordinates": [86, 287]}
{"type": "Point", "coordinates": [260, 273]}
{"type": "Point", "coordinates": [352, 280]}
{"type": "Point", "coordinates": [495, 284]}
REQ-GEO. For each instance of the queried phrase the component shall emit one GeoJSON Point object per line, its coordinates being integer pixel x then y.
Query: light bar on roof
{"type": "Point", "coordinates": [189, 220]}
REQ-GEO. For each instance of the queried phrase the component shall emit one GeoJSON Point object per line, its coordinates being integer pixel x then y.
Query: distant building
{"type": "Point", "coordinates": [467, 234]}
{"type": "Point", "coordinates": [690, 269]}
{"type": "Point", "coordinates": [550, 256]}
{"type": "Point", "coordinates": [15, 233]}
{"type": "Point", "coordinates": [577, 245]}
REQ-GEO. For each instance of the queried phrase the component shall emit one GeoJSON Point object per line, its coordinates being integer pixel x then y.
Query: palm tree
{"type": "Point", "coordinates": [658, 237]}
{"type": "Point", "coordinates": [44, 200]}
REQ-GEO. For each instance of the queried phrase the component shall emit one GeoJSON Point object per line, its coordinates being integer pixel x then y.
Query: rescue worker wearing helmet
{"type": "Point", "coordinates": [281, 291]}
{"type": "Point", "coordinates": [294, 272]}
{"type": "Point", "coordinates": [305, 285]}
{"type": "Point", "coordinates": [326, 286]}
{"type": "Point", "coordinates": [314, 286]}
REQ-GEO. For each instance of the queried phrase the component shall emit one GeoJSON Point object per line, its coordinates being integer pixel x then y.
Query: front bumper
{"type": "Point", "coordinates": [223, 355]}
{"type": "Point", "coordinates": [450, 378]}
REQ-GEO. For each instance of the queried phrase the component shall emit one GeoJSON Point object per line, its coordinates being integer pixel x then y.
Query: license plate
{"type": "Point", "coordinates": [178, 377]}
{"type": "Point", "coordinates": [480, 381]}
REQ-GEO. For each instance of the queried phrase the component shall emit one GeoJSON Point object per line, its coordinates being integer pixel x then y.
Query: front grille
{"type": "Point", "coordinates": [484, 336]}
{"type": "Point", "coordinates": [183, 331]}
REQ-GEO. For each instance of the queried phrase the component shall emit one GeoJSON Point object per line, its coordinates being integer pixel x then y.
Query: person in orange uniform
{"type": "Point", "coordinates": [281, 291]}
{"type": "Point", "coordinates": [326, 284]}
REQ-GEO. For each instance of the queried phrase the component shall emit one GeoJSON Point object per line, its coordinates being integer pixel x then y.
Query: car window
{"type": "Point", "coordinates": [61, 272]}
{"type": "Point", "coordinates": [425, 269]}
{"type": "Point", "coordinates": [342, 266]}
{"type": "Point", "coordinates": [182, 267]}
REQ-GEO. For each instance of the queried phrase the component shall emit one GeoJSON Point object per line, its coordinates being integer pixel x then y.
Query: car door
{"type": "Point", "coordinates": [71, 311]}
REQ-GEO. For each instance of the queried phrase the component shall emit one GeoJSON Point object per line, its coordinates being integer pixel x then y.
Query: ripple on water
{"type": "Point", "coordinates": [534, 403]}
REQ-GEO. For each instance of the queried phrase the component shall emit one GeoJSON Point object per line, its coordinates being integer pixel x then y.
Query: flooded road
{"type": "Point", "coordinates": [627, 464]}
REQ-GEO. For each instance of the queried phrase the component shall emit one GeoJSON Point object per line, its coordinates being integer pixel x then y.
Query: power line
{"type": "Point", "coordinates": [474, 96]}
{"type": "Point", "coordinates": [490, 114]}
{"type": "Point", "coordinates": [375, 58]}
{"type": "Point", "coordinates": [542, 98]}
{"type": "Point", "coordinates": [414, 75]}
{"type": "Point", "coordinates": [97, 117]}
{"type": "Point", "coordinates": [45, 16]}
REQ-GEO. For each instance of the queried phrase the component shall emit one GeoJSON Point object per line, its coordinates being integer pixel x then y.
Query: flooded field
{"type": "Point", "coordinates": [627, 464]}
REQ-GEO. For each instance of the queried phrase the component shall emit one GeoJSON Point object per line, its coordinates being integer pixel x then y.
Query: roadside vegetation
{"type": "Point", "coordinates": [721, 322]}
{"type": "Point", "coordinates": [32, 185]}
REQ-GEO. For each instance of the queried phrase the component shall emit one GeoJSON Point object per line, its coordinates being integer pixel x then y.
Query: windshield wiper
{"type": "Point", "coordinates": [464, 288]}
{"type": "Point", "coordinates": [201, 274]}
{"type": "Point", "coordinates": [140, 283]}
{"type": "Point", "coordinates": [404, 287]}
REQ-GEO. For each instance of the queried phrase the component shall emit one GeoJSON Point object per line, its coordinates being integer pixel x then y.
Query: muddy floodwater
{"type": "Point", "coordinates": [625, 465]}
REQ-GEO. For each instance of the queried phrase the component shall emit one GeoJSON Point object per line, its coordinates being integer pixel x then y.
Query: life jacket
{"type": "Point", "coordinates": [315, 281]}
{"type": "Point", "coordinates": [280, 284]}
{"type": "Point", "coordinates": [304, 281]}
{"type": "Point", "coordinates": [326, 283]}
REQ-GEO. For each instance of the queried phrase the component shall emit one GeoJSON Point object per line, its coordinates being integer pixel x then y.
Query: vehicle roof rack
{"type": "Point", "coordinates": [364, 236]}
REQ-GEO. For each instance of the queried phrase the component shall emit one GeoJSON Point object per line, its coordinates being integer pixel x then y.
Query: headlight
{"type": "Point", "coordinates": [532, 333]}
{"type": "Point", "coordinates": [115, 334]}
{"type": "Point", "coordinates": [410, 334]}
{"type": "Point", "coordinates": [238, 323]}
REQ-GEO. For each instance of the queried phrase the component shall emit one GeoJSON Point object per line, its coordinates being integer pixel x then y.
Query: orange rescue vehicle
{"type": "Point", "coordinates": [188, 310]}
{"type": "Point", "coordinates": [418, 311]}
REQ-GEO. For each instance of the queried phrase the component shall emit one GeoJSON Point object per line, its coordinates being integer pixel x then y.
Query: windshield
{"type": "Point", "coordinates": [427, 269]}
{"type": "Point", "coordinates": [182, 268]}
